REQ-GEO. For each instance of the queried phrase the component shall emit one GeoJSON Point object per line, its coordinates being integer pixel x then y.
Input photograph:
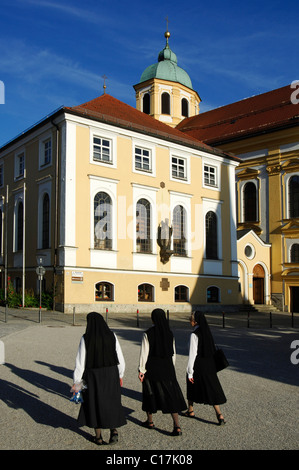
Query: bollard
{"type": "Point", "coordinates": [168, 316]}
{"type": "Point", "coordinates": [74, 311]}
{"type": "Point", "coordinates": [223, 320]}
{"type": "Point", "coordinates": [2, 352]}
{"type": "Point", "coordinates": [6, 308]}
{"type": "Point", "coordinates": [248, 317]}
{"type": "Point", "coordinates": [107, 316]}
{"type": "Point", "coordinates": [270, 319]}
{"type": "Point", "coordinates": [137, 318]}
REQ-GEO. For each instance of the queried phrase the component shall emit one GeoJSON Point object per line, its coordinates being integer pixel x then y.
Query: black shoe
{"type": "Point", "coordinates": [99, 441]}
{"type": "Point", "coordinates": [148, 424]}
{"type": "Point", "coordinates": [221, 421]}
{"type": "Point", "coordinates": [176, 431]}
{"type": "Point", "coordinates": [113, 436]}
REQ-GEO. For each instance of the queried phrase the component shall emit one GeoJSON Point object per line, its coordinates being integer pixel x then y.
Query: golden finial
{"type": "Point", "coordinates": [104, 86]}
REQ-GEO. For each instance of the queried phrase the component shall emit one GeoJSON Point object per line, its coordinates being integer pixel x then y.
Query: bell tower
{"type": "Point", "coordinates": [165, 90]}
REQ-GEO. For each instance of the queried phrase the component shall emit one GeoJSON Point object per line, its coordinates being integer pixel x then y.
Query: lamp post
{"type": "Point", "coordinates": [40, 271]}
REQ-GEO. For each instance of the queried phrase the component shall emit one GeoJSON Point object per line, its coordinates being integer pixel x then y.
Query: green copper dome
{"type": "Point", "coordinates": [166, 68]}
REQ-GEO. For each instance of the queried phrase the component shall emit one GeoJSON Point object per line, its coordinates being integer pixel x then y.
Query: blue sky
{"type": "Point", "coordinates": [55, 52]}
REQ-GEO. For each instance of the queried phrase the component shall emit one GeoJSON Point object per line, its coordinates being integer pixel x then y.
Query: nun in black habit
{"type": "Point", "coordinates": [160, 389]}
{"type": "Point", "coordinates": [100, 368]}
{"type": "Point", "coordinates": [203, 385]}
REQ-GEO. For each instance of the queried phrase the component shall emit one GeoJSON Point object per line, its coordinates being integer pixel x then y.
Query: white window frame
{"type": "Point", "coordinates": [17, 174]}
{"type": "Point", "coordinates": [103, 135]}
{"type": "Point", "coordinates": [210, 175]}
{"type": "Point", "coordinates": [144, 145]}
{"type": "Point", "coordinates": [43, 161]}
{"type": "Point", "coordinates": [215, 166]}
{"type": "Point", "coordinates": [165, 89]}
{"type": "Point", "coordinates": [186, 165]}
{"type": "Point", "coordinates": [143, 157]}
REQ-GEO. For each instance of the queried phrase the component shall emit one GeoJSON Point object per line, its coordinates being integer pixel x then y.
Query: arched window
{"type": "Point", "coordinates": [102, 221]}
{"type": "Point", "coordinates": [250, 203]}
{"type": "Point", "coordinates": [143, 226]}
{"type": "Point", "coordinates": [181, 294]}
{"type": "Point", "coordinates": [185, 107]}
{"type": "Point", "coordinates": [165, 103]}
{"type": "Point", "coordinates": [146, 103]}
{"type": "Point", "coordinates": [295, 253]}
{"type": "Point", "coordinates": [19, 227]}
{"type": "Point", "coordinates": [213, 294]}
{"type": "Point", "coordinates": [46, 222]}
{"type": "Point", "coordinates": [211, 236]}
{"type": "Point", "coordinates": [179, 231]}
{"type": "Point", "coordinates": [104, 291]}
{"type": "Point", "coordinates": [294, 196]}
{"type": "Point", "coordinates": [145, 293]}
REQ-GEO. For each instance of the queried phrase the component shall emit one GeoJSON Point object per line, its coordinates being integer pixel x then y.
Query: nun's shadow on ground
{"type": "Point", "coordinates": [137, 396]}
{"type": "Point", "coordinates": [19, 397]}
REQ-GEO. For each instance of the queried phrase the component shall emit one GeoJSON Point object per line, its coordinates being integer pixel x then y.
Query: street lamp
{"type": "Point", "coordinates": [40, 271]}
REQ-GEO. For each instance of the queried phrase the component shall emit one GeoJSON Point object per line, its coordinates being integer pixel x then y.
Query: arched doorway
{"type": "Point", "coordinates": [258, 284]}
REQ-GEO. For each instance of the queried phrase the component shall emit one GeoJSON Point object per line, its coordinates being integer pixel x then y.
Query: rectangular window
{"type": "Point", "coordinates": [102, 150]}
{"type": "Point", "coordinates": [179, 168]}
{"type": "Point", "coordinates": [47, 152]}
{"type": "Point", "coordinates": [142, 159]}
{"type": "Point", "coordinates": [20, 165]}
{"type": "Point", "coordinates": [210, 175]}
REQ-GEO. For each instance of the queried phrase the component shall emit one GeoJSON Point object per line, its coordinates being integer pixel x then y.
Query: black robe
{"type": "Point", "coordinates": [160, 388]}
{"type": "Point", "coordinates": [206, 387]}
{"type": "Point", "coordinates": [102, 406]}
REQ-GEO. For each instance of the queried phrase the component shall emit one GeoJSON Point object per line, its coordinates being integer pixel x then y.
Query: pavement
{"type": "Point", "coordinates": [261, 386]}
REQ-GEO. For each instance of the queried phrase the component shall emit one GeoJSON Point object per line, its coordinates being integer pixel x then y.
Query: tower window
{"type": "Point", "coordinates": [185, 107]}
{"type": "Point", "coordinates": [165, 103]}
{"type": "Point", "coordinates": [146, 103]}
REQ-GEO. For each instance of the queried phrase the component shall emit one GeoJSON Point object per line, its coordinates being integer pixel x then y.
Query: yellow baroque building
{"type": "Point", "coordinates": [120, 210]}
{"type": "Point", "coordinates": [263, 132]}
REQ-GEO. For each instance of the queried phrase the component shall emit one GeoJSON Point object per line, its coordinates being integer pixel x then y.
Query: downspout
{"type": "Point", "coordinates": [56, 215]}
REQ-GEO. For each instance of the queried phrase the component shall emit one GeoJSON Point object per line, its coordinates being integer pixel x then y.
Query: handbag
{"type": "Point", "coordinates": [220, 360]}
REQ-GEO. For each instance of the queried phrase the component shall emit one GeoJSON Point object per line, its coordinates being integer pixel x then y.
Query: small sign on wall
{"type": "Point", "coordinates": [77, 277]}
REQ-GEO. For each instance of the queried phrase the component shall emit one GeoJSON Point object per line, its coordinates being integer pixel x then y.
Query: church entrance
{"type": "Point", "coordinates": [258, 284]}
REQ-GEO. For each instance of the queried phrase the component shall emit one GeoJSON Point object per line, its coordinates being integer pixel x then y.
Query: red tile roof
{"type": "Point", "coordinates": [108, 109]}
{"type": "Point", "coordinates": [267, 112]}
